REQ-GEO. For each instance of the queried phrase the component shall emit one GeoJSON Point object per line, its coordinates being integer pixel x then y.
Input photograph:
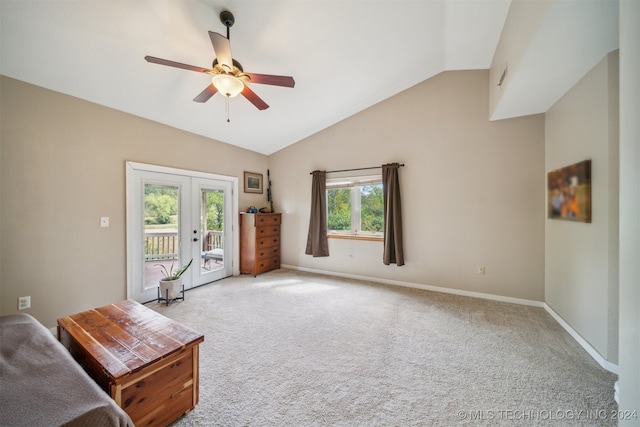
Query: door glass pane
{"type": "Point", "coordinates": [161, 231]}
{"type": "Point", "coordinates": [211, 230]}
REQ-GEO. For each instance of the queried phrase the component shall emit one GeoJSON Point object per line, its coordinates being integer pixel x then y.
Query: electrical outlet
{"type": "Point", "coordinates": [104, 221]}
{"type": "Point", "coordinates": [481, 270]}
{"type": "Point", "coordinates": [24, 303]}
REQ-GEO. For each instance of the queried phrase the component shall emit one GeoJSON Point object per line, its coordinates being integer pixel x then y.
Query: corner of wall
{"type": "Point", "coordinates": [614, 203]}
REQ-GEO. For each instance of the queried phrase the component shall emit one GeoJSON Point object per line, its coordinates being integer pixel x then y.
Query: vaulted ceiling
{"type": "Point", "coordinates": [344, 56]}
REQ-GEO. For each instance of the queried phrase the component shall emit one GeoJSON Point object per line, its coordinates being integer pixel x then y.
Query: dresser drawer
{"type": "Point", "coordinates": [267, 242]}
{"type": "Point", "coordinates": [268, 252]}
{"type": "Point", "coordinates": [267, 264]}
{"type": "Point", "coordinates": [266, 219]}
{"type": "Point", "coordinates": [269, 230]}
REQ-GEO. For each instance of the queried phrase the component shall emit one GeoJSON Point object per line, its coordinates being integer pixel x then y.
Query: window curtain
{"type": "Point", "coordinates": [317, 244]}
{"type": "Point", "coordinates": [393, 252]}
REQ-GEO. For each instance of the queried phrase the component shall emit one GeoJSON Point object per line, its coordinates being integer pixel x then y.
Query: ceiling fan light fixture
{"type": "Point", "coordinates": [228, 85]}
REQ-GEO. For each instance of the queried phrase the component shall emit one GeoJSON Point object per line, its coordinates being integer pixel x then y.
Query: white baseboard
{"type": "Point", "coordinates": [576, 336]}
{"type": "Point", "coordinates": [420, 286]}
{"type": "Point", "coordinates": [611, 367]}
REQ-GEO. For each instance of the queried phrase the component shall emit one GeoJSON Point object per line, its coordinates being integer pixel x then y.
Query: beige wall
{"type": "Point", "coordinates": [471, 189]}
{"type": "Point", "coordinates": [63, 167]}
{"type": "Point", "coordinates": [581, 281]}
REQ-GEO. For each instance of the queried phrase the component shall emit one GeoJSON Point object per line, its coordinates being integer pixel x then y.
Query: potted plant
{"type": "Point", "coordinates": [171, 283]}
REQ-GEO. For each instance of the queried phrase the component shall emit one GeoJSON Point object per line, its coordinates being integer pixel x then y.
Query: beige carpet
{"type": "Point", "coordinates": [296, 349]}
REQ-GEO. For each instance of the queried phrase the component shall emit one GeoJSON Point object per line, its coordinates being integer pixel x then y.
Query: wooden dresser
{"type": "Point", "coordinates": [145, 361]}
{"type": "Point", "coordinates": [259, 242]}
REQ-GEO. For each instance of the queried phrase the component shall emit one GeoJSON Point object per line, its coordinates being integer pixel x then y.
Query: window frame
{"type": "Point", "coordinates": [354, 183]}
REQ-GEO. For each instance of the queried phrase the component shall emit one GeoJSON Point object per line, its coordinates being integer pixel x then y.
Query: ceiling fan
{"type": "Point", "coordinates": [228, 76]}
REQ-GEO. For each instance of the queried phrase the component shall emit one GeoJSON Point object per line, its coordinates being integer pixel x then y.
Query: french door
{"type": "Point", "coordinates": [175, 217]}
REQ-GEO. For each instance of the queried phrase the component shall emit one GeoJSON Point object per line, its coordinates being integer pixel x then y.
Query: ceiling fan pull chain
{"type": "Point", "coordinates": [227, 108]}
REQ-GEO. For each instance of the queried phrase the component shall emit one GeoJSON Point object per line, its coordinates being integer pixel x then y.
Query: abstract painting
{"type": "Point", "coordinates": [569, 192]}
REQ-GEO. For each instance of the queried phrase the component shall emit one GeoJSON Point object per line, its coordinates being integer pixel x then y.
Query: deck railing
{"type": "Point", "coordinates": [165, 245]}
{"type": "Point", "coordinates": [213, 240]}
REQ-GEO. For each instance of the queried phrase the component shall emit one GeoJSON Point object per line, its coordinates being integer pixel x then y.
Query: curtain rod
{"type": "Point", "coordinates": [356, 169]}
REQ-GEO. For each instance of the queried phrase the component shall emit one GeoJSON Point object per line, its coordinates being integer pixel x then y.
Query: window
{"type": "Point", "coordinates": [355, 207]}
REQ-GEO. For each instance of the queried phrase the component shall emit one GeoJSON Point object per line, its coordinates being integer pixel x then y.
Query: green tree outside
{"type": "Point", "coordinates": [339, 209]}
{"type": "Point", "coordinates": [160, 204]}
{"type": "Point", "coordinates": [215, 210]}
{"type": "Point", "coordinates": [371, 208]}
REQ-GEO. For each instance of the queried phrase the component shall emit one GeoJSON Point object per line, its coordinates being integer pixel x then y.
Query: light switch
{"type": "Point", "coordinates": [104, 221]}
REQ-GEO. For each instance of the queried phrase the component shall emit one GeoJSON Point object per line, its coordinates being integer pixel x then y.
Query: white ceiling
{"type": "Point", "coordinates": [345, 56]}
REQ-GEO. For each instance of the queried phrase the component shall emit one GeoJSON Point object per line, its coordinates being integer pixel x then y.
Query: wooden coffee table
{"type": "Point", "coordinates": [146, 362]}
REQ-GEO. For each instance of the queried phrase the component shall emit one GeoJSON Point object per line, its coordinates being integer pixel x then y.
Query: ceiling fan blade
{"type": "Point", "coordinates": [254, 99]}
{"type": "Point", "coordinates": [175, 64]}
{"type": "Point", "coordinates": [207, 93]}
{"type": "Point", "coordinates": [222, 48]}
{"type": "Point", "coordinates": [267, 79]}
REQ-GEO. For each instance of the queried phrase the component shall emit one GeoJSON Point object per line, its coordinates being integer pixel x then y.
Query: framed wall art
{"type": "Point", "coordinates": [569, 192]}
{"type": "Point", "coordinates": [252, 182]}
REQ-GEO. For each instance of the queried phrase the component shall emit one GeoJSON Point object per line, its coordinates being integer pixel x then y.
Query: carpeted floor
{"type": "Point", "coordinates": [297, 349]}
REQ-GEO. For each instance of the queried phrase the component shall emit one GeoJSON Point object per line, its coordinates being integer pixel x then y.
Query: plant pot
{"type": "Point", "coordinates": [173, 286]}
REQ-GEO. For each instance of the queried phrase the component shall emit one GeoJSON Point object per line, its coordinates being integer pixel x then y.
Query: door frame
{"type": "Point", "coordinates": [135, 166]}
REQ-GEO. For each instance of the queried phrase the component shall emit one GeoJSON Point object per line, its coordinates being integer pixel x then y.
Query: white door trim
{"type": "Point", "coordinates": [131, 166]}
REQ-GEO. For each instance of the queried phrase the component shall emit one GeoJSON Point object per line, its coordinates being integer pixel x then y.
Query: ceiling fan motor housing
{"type": "Point", "coordinates": [227, 18]}
{"type": "Point", "coordinates": [235, 64]}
